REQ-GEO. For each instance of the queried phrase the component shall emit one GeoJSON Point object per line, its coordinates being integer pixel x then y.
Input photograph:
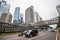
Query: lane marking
{"type": "Point", "coordinates": [57, 35]}
{"type": "Point", "coordinates": [38, 36]}
{"type": "Point", "coordinates": [17, 37]}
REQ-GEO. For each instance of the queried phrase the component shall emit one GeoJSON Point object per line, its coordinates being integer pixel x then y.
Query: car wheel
{"type": "Point", "coordinates": [31, 35]}
{"type": "Point", "coordinates": [26, 36]}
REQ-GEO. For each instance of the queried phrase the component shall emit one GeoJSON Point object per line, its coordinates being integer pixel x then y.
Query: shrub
{"type": "Point", "coordinates": [59, 30]}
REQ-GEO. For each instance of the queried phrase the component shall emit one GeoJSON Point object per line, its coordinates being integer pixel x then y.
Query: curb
{"type": "Point", "coordinates": [57, 35]}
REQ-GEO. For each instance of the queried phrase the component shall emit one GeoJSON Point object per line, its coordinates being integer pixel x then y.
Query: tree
{"type": "Point", "coordinates": [50, 27]}
{"type": "Point", "coordinates": [58, 25]}
{"type": "Point", "coordinates": [44, 27]}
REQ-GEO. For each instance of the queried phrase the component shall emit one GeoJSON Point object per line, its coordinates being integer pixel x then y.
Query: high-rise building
{"type": "Point", "coordinates": [10, 18]}
{"type": "Point", "coordinates": [40, 18]}
{"type": "Point", "coordinates": [29, 12]}
{"type": "Point", "coordinates": [6, 17]}
{"type": "Point", "coordinates": [4, 7]}
{"type": "Point", "coordinates": [58, 9]}
{"type": "Point", "coordinates": [21, 18]}
{"type": "Point", "coordinates": [37, 18]}
{"type": "Point", "coordinates": [16, 15]}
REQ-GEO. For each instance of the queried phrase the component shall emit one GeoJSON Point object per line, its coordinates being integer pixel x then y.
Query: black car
{"type": "Point", "coordinates": [31, 33]}
{"type": "Point", "coordinates": [52, 30]}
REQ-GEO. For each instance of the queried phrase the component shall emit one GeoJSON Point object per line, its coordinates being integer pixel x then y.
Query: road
{"type": "Point", "coordinates": [41, 36]}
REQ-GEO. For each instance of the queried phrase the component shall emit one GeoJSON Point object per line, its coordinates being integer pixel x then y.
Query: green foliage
{"type": "Point", "coordinates": [8, 33]}
{"type": "Point", "coordinates": [46, 26]}
{"type": "Point", "coordinates": [58, 25]}
{"type": "Point", "coordinates": [59, 17]}
{"type": "Point", "coordinates": [59, 30]}
{"type": "Point", "coordinates": [50, 27]}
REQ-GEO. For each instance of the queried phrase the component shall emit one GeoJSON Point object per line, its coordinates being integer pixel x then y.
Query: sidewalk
{"type": "Point", "coordinates": [58, 35]}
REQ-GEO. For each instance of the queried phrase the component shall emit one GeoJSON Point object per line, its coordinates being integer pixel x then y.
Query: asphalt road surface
{"type": "Point", "coordinates": [41, 36]}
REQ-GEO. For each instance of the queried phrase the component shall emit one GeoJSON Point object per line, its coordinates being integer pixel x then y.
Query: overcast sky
{"type": "Point", "coordinates": [45, 8]}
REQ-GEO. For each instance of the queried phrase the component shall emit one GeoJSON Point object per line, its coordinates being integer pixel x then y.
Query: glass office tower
{"type": "Point", "coordinates": [4, 7]}
{"type": "Point", "coordinates": [21, 19]}
{"type": "Point", "coordinates": [58, 9]}
{"type": "Point", "coordinates": [16, 15]}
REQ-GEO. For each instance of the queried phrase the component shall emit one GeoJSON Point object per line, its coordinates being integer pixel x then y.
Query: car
{"type": "Point", "coordinates": [25, 31]}
{"type": "Point", "coordinates": [51, 30]}
{"type": "Point", "coordinates": [31, 33]}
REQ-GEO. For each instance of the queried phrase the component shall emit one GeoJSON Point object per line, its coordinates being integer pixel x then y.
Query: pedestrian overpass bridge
{"type": "Point", "coordinates": [46, 22]}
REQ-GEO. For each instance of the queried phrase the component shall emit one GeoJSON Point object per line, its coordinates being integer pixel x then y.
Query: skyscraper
{"type": "Point", "coordinates": [40, 18]}
{"type": "Point", "coordinates": [16, 15]}
{"type": "Point", "coordinates": [58, 9]}
{"type": "Point", "coordinates": [29, 12]}
{"type": "Point", "coordinates": [21, 18]}
{"type": "Point", "coordinates": [6, 17]}
{"type": "Point", "coordinates": [4, 7]}
{"type": "Point", "coordinates": [37, 18]}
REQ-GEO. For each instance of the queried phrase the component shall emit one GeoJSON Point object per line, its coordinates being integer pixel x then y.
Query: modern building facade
{"type": "Point", "coordinates": [6, 17]}
{"type": "Point", "coordinates": [10, 18]}
{"type": "Point", "coordinates": [58, 9]}
{"type": "Point", "coordinates": [29, 12]}
{"type": "Point", "coordinates": [21, 18]}
{"type": "Point", "coordinates": [37, 18]}
{"type": "Point", "coordinates": [4, 7]}
{"type": "Point", "coordinates": [40, 18]}
{"type": "Point", "coordinates": [16, 15]}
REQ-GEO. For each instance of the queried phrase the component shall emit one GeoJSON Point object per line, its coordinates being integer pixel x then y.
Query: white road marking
{"type": "Point", "coordinates": [57, 35]}
{"type": "Point", "coordinates": [38, 36]}
{"type": "Point", "coordinates": [15, 37]}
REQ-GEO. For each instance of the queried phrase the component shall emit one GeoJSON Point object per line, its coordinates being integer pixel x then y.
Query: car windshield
{"type": "Point", "coordinates": [28, 31]}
